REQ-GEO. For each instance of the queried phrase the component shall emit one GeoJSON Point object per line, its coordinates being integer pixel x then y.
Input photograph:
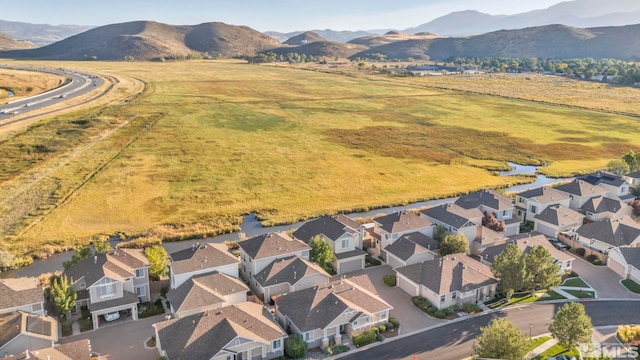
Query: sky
{"type": "Point", "coordinates": [262, 15]}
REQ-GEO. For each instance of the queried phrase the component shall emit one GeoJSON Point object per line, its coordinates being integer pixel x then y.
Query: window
{"type": "Point", "coordinates": [305, 254]}
{"type": "Point", "coordinates": [277, 344]}
{"type": "Point", "coordinates": [520, 200]}
{"type": "Point", "coordinates": [454, 295]}
{"type": "Point", "coordinates": [308, 336]}
{"type": "Point", "coordinates": [383, 315]}
{"type": "Point", "coordinates": [345, 243]}
{"type": "Point", "coordinates": [82, 285]}
{"type": "Point", "coordinates": [107, 290]}
{"type": "Point", "coordinates": [533, 209]}
{"type": "Point", "coordinates": [443, 298]}
{"type": "Point", "coordinates": [140, 291]}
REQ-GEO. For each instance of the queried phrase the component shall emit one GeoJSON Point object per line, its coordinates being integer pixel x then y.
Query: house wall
{"type": "Point", "coordinates": [95, 298]}
{"type": "Point", "coordinates": [617, 263]}
{"type": "Point", "coordinates": [387, 238]}
{"type": "Point", "coordinates": [275, 290]}
{"type": "Point", "coordinates": [35, 308]}
{"type": "Point", "coordinates": [179, 279]}
{"type": "Point", "coordinates": [337, 245]}
{"type": "Point", "coordinates": [545, 228]}
{"type": "Point", "coordinates": [250, 266]}
{"type": "Point", "coordinates": [625, 211]}
{"type": "Point", "coordinates": [310, 281]}
{"type": "Point", "coordinates": [469, 232]}
{"type": "Point", "coordinates": [23, 342]}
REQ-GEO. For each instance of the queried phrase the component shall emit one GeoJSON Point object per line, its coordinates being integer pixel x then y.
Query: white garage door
{"type": "Point", "coordinates": [546, 229]}
{"type": "Point", "coordinates": [407, 286]}
{"type": "Point", "coordinates": [350, 266]}
{"type": "Point", "coordinates": [617, 267]}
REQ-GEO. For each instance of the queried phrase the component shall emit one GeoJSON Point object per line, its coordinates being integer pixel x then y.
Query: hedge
{"type": "Point", "coordinates": [470, 308]}
{"type": "Point", "coordinates": [389, 280]}
{"type": "Point", "coordinates": [364, 338]}
{"type": "Point", "coordinates": [440, 314]}
{"type": "Point", "coordinates": [295, 347]}
{"type": "Point", "coordinates": [591, 258]}
{"type": "Point", "coordinates": [580, 251]}
{"type": "Point", "coordinates": [422, 303]}
{"type": "Point", "coordinates": [394, 321]}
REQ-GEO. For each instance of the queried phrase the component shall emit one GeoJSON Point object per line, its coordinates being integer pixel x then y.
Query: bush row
{"type": "Point", "coordinates": [364, 338]}
{"type": "Point", "coordinates": [389, 280]}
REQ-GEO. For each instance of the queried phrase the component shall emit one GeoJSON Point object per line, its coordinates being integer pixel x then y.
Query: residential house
{"type": "Point", "coordinates": [21, 332]}
{"type": "Point", "coordinates": [617, 186]}
{"type": "Point", "coordinates": [525, 243]}
{"type": "Point", "coordinates": [411, 248]}
{"type": "Point", "coordinates": [449, 281]}
{"type": "Point", "coordinates": [21, 294]}
{"type": "Point", "coordinates": [626, 262]}
{"type": "Point", "coordinates": [322, 313]}
{"type": "Point", "coordinates": [115, 281]}
{"type": "Point", "coordinates": [241, 331]}
{"type": "Point", "coordinates": [206, 292]}
{"type": "Point", "coordinates": [633, 179]}
{"type": "Point", "coordinates": [75, 350]}
{"type": "Point", "coordinates": [557, 219]}
{"type": "Point", "coordinates": [492, 202]}
{"type": "Point", "coordinates": [533, 202]}
{"type": "Point", "coordinates": [201, 259]}
{"type": "Point", "coordinates": [260, 251]}
{"type": "Point", "coordinates": [602, 208]}
{"type": "Point", "coordinates": [345, 237]}
{"type": "Point", "coordinates": [580, 192]}
{"type": "Point", "coordinates": [287, 275]}
{"type": "Point", "coordinates": [455, 219]}
{"type": "Point", "coordinates": [485, 237]}
{"type": "Point", "coordinates": [603, 236]}
{"type": "Point", "coordinates": [390, 228]}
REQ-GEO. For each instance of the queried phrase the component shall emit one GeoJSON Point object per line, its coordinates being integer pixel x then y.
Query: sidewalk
{"type": "Point", "coordinates": [564, 293]}
{"type": "Point", "coordinates": [542, 348]}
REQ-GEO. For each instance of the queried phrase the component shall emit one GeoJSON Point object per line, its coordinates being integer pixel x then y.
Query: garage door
{"type": "Point", "coordinates": [350, 265]}
{"type": "Point", "coordinates": [407, 286]}
{"type": "Point", "coordinates": [393, 261]}
{"type": "Point", "coordinates": [545, 229]}
{"type": "Point", "coordinates": [617, 267]}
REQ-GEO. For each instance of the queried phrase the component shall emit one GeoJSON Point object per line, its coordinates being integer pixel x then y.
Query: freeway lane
{"type": "Point", "coordinates": [79, 84]}
{"type": "Point", "coordinates": [453, 341]}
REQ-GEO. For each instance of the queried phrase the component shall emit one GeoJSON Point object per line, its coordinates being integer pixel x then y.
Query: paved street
{"type": "Point", "coordinates": [410, 317]}
{"type": "Point", "coordinates": [121, 340]}
{"type": "Point", "coordinates": [604, 280]}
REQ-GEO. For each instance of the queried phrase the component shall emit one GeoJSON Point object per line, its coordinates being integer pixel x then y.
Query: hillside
{"type": "Point", "coordinates": [304, 38]}
{"type": "Point", "coordinates": [40, 34]}
{"type": "Point", "coordinates": [391, 37]}
{"type": "Point", "coordinates": [148, 40]}
{"type": "Point", "coordinates": [322, 49]}
{"type": "Point", "coordinates": [9, 43]}
{"type": "Point", "coordinates": [328, 34]}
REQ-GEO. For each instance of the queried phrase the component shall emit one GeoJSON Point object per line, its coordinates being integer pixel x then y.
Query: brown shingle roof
{"type": "Point", "coordinates": [559, 215]}
{"type": "Point", "coordinates": [488, 198]}
{"type": "Point", "coordinates": [209, 255]}
{"type": "Point", "coordinates": [617, 232]}
{"type": "Point", "coordinates": [76, 350]}
{"type": "Point", "coordinates": [545, 195]}
{"type": "Point", "coordinates": [402, 221]}
{"type": "Point", "coordinates": [288, 270]}
{"type": "Point", "coordinates": [271, 245]}
{"type": "Point", "coordinates": [602, 204]}
{"type": "Point", "coordinates": [204, 290]}
{"type": "Point", "coordinates": [525, 242]}
{"type": "Point", "coordinates": [631, 256]}
{"type": "Point", "coordinates": [582, 188]}
{"type": "Point", "coordinates": [204, 335]}
{"type": "Point", "coordinates": [18, 292]}
{"type": "Point", "coordinates": [116, 264]}
{"type": "Point", "coordinates": [410, 244]}
{"type": "Point", "coordinates": [452, 214]}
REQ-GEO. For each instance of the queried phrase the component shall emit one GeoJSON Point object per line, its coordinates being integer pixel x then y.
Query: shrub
{"type": "Point", "coordinates": [440, 314]}
{"type": "Point", "coordinates": [591, 258]}
{"type": "Point", "coordinates": [389, 280]}
{"type": "Point", "coordinates": [295, 347]}
{"type": "Point", "coordinates": [379, 337]}
{"type": "Point", "coordinates": [422, 303]}
{"type": "Point", "coordinates": [431, 310]}
{"type": "Point", "coordinates": [627, 333]}
{"type": "Point", "coordinates": [448, 311]}
{"type": "Point", "coordinates": [394, 321]}
{"type": "Point", "coordinates": [597, 262]}
{"type": "Point", "coordinates": [470, 308]}
{"type": "Point", "coordinates": [389, 326]}
{"type": "Point", "coordinates": [364, 338]}
{"type": "Point", "coordinates": [373, 261]}
{"type": "Point", "coordinates": [580, 251]}
{"type": "Point", "coordinates": [375, 328]}
{"type": "Point", "coordinates": [382, 328]}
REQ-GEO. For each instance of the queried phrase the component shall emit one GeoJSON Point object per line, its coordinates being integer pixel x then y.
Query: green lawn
{"type": "Point", "coordinates": [631, 285]}
{"type": "Point", "coordinates": [538, 341]}
{"type": "Point", "coordinates": [556, 350]}
{"type": "Point", "coordinates": [526, 298]}
{"type": "Point", "coordinates": [575, 282]}
{"type": "Point", "coordinates": [582, 294]}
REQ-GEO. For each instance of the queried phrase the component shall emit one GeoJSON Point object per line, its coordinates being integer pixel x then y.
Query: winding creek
{"type": "Point", "coordinates": [251, 226]}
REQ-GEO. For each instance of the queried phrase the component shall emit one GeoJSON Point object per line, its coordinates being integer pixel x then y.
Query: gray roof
{"type": "Point", "coordinates": [288, 270]}
{"type": "Point", "coordinates": [485, 236]}
{"type": "Point", "coordinates": [602, 177]}
{"type": "Point", "coordinates": [128, 298]}
{"type": "Point", "coordinates": [601, 204]}
{"type": "Point", "coordinates": [634, 175]}
{"type": "Point", "coordinates": [332, 227]}
{"type": "Point", "coordinates": [525, 242]}
{"type": "Point", "coordinates": [202, 256]}
{"type": "Point", "coordinates": [202, 336]}
{"type": "Point", "coordinates": [349, 254]}
{"type": "Point", "coordinates": [559, 215]}
{"type": "Point", "coordinates": [10, 326]}
{"type": "Point", "coordinates": [458, 272]}
{"type": "Point", "coordinates": [16, 292]}
{"type": "Point", "coordinates": [316, 307]}
{"type": "Point", "coordinates": [204, 290]}
{"type": "Point", "coordinates": [452, 214]}
{"type": "Point", "coordinates": [616, 232]}
{"type": "Point", "coordinates": [271, 245]}
{"type": "Point", "coordinates": [116, 264]}
{"type": "Point", "coordinates": [17, 322]}
{"type": "Point", "coordinates": [631, 256]}
{"type": "Point", "coordinates": [402, 221]}
{"type": "Point", "coordinates": [410, 244]}
{"type": "Point", "coordinates": [544, 195]}
{"type": "Point", "coordinates": [582, 188]}
{"type": "Point", "coordinates": [488, 198]}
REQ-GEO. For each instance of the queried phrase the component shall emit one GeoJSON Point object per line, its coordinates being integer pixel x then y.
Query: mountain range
{"type": "Point", "coordinates": [40, 34]}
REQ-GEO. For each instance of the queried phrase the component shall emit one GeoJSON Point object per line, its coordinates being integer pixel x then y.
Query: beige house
{"type": "Point", "coordinates": [206, 292]}
{"type": "Point", "coordinates": [455, 219]}
{"type": "Point", "coordinates": [201, 259]}
{"type": "Point", "coordinates": [21, 294]}
{"type": "Point", "coordinates": [603, 208]}
{"type": "Point", "coordinates": [411, 248]}
{"type": "Point", "coordinates": [625, 262]}
{"type": "Point", "coordinates": [603, 236]}
{"type": "Point", "coordinates": [21, 331]}
{"type": "Point", "coordinates": [533, 202]}
{"type": "Point", "coordinates": [323, 313]}
{"type": "Point", "coordinates": [580, 191]}
{"type": "Point", "coordinates": [633, 179]}
{"type": "Point", "coordinates": [390, 228]}
{"type": "Point", "coordinates": [449, 281]}
{"type": "Point", "coordinates": [75, 350]}
{"type": "Point", "coordinates": [492, 202]}
{"type": "Point", "coordinates": [617, 186]}
{"type": "Point", "coordinates": [485, 237]}
{"type": "Point", "coordinates": [557, 219]}
{"type": "Point", "coordinates": [241, 331]}
{"type": "Point", "coordinates": [287, 275]}
{"type": "Point", "coordinates": [115, 281]}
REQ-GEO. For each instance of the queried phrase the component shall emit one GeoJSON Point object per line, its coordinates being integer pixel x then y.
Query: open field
{"type": "Point", "coordinates": [210, 141]}
{"type": "Point", "coordinates": [26, 83]}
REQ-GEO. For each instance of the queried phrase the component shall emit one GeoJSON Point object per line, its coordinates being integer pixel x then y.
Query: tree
{"type": "Point", "coordinates": [321, 251]}
{"type": "Point", "coordinates": [101, 247]}
{"type": "Point", "coordinates": [454, 244]}
{"type": "Point", "coordinates": [542, 269]}
{"type": "Point", "coordinates": [80, 254]}
{"type": "Point", "coordinates": [489, 220]}
{"type": "Point", "coordinates": [440, 233]}
{"type": "Point", "coordinates": [617, 166]}
{"type": "Point", "coordinates": [510, 269]}
{"type": "Point", "coordinates": [158, 261]}
{"type": "Point", "coordinates": [571, 325]}
{"type": "Point", "coordinates": [295, 347]}
{"type": "Point", "coordinates": [7, 260]}
{"type": "Point", "coordinates": [64, 295]}
{"type": "Point", "coordinates": [501, 340]}
{"type": "Point", "coordinates": [631, 159]}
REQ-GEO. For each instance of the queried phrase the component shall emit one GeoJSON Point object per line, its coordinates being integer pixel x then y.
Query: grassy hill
{"type": "Point", "coordinates": [322, 48]}
{"type": "Point", "coordinates": [9, 43]}
{"type": "Point", "coordinates": [304, 38]}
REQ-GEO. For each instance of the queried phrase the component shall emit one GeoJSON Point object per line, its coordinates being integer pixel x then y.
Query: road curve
{"type": "Point", "coordinates": [78, 84]}
{"type": "Point", "coordinates": [453, 340]}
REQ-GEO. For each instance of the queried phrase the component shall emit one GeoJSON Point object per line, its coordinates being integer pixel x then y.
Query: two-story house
{"type": "Point", "coordinates": [602, 208]}
{"type": "Point", "coordinates": [532, 202]}
{"type": "Point", "coordinates": [633, 179]}
{"type": "Point", "coordinates": [242, 331]}
{"type": "Point", "coordinates": [21, 294]}
{"type": "Point", "coordinates": [617, 186]}
{"type": "Point", "coordinates": [449, 281]}
{"type": "Point", "coordinates": [390, 228]}
{"type": "Point", "coordinates": [206, 292]}
{"type": "Point", "coordinates": [345, 237]}
{"type": "Point", "coordinates": [115, 281]}
{"type": "Point", "coordinates": [286, 275]}
{"type": "Point", "coordinates": [411, 248]}
{"type": "Point", "coordinates": [557, 219]}
{"type": "Point", "coordinates": [455, 219]}
{"type": "Point", "coordinates": [323, 313]}
{"type": "Point", "coordinates": [260, 251]}
{"type": "Point", "coordinates": [492, 202]}
{"type": "Point", "coordinates": [201, 259]}
{"type": "Point", "coordinates": [580, 191]}
{"type": "Point", "coordinates": [603, 236]}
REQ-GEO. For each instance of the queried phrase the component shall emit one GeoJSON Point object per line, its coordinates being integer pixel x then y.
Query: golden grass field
{"type": "Point", "coordinates": [210, 141]}
{"type": "Point", "coordinates": [23, 83]}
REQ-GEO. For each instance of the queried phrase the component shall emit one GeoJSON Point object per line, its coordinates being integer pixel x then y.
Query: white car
{"type": "Point", "coordinates": [111, 316]}
{"type": "Point", "coordinates": [3, 111]}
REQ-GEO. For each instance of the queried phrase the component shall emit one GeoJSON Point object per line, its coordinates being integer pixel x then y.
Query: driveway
{"type": "Point", "coordinates": [121, 340]}
{"type": "Point", "coordinates": [410, 317]}
{"type": "Point", "coordinates": [604, 280]}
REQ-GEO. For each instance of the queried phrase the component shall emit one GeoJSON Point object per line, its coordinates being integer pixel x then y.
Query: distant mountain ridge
{"type": "Point", "coordinates": [40, 34]}
{"type": "Point", "coordinates": [9, 43]}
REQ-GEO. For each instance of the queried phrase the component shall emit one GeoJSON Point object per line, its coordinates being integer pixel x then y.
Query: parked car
{"type": "Point", "coordinates": [562, 357]}
{"type": "Point", "coordinates": [111, 316]}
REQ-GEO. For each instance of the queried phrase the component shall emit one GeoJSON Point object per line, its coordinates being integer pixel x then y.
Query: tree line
{"type": "Point", "coordinates": [271, 57]}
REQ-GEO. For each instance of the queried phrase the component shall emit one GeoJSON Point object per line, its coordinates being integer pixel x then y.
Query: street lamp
{"type": "Point", "coordinates": [530, 327]}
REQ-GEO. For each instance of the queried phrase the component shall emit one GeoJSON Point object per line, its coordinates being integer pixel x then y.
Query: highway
{"type": "Point", "coordinates": [453, 341]}
{"type": "Point", "coordinates": [78, 84]}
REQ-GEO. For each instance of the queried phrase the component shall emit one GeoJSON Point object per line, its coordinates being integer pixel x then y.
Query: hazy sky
{"type": "Point", "coordinates": [262, 15]}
